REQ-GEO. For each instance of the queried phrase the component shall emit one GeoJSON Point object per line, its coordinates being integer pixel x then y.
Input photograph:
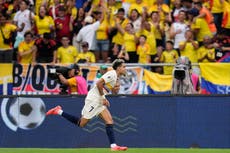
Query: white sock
{"type": "Point", "coordinates": [113, 145]}
{"type": "Point", "coordinates": [60, 112]}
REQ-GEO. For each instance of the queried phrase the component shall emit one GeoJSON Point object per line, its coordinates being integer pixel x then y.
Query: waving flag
{"type": "Point", "coordinates": [215, 78]}
{"type": "Point", "coordinates": [157, 83]}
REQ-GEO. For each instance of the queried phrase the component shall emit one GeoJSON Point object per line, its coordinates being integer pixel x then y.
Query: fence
{"type": "Point", "coordinates": [20, 79]}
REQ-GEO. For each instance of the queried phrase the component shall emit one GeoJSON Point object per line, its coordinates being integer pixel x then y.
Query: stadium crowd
{"type": "Point", "coordinates": [99, 31]}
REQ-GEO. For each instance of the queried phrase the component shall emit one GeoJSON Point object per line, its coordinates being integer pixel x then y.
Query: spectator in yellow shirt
{"type": "Point", "coordinates": [6, 31]}
{"type": "Point", "coordinates": [217, 7]}
{"type": "Point", "coordinates": [169, 56]}
{"type": "Point", "coordinates": [117, 39]}
{"type": "Point", "coordinates": [85, 56]}
{"type": "Point", "coordinates": [157, 27]}
{"type": "Point", "coordinates": [199, 26]}
{"type": "Point", "coordinates": [71, 8]}
{"type": "Point", "coordinates": [66, 53]}
{"type": "Point", "coordinates": [25, 49]}
{"type": "Point", "coordinates": [143, 50]}
{"type": "Point", "coordinates": [138, 5]}
{"type": "Point", "coordinates": [206, 53]}
{"type": "Point", "coordinates": [207, 15]}
{"type": "Point", "coordinates": [148, 31]}
{"type": "Point", "coordinates": [43, 22]}
{"type": "Point", "coordinates": [189, 47]}
{"type": "Point", "coordinates": [226, 18]}
{"type": "Point", "coordinates": [102, 39]}
{"type": "Point", "coordinates": [161, 7]}
{"type": "Point", "coordinates": [130, 40]}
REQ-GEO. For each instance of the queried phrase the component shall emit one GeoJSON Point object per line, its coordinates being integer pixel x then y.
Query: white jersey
{"type": "Point", "coordinates": [180, 36]}
{"type": "Point", "coordinates": [93, 102]}
{"type": "Point", "coordinates": [110, 79]}
{"type": "Point", "coordinates": [23, 17]}
{"type": "Point", "coordinates": [87, 33]}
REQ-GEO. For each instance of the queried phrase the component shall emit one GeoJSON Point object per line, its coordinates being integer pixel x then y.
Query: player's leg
{"type": "Point", "coordinates": [107, 117]}
{"type": "Point", "coordinates": [73, 119]}
{"type": "Point", "coordinates": [83, 122]}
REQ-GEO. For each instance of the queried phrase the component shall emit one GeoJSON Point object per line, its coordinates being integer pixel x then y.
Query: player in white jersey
{"type": "Point", "coordinates": [96, 103]}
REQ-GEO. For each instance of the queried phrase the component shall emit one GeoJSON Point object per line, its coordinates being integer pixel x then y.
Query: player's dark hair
{"type": "Point", "coordinates": [116, 63]}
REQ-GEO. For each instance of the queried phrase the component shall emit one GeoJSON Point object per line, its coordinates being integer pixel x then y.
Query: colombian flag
{"type": "Point", "coordinates": [215, 78]}
{"type": "Point", "coordinates": [157, 83]}
{"type": "Point", "coordinates": [6, 79]}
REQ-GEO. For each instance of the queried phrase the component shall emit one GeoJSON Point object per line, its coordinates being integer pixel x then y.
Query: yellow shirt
{"type": "Point", "coordinates": [157, 32]}
{"type": "Point", "coordinates": [216, 6]}
{"type": "Point", "coordinates": [164, 9]}
{"type": "Point", "coordinates": [51, 2]}
{"type": "Point", "coordinates": [189, 51]}
{"type": "Point", "coordinates": [37, 5]}
{"type": "Point", "coordinates": [226, 15]}
{"type": "Point", "coordinates": [151, 40]}
{"type": "Point", "coordinates": [7, 29]}
{"type": "Point", "coordinates": [67, 55]}
{"type": "Point", "coordinates": [144, 54]}
{"type": "Point", "coordinates": [88, 56]}
{"type": "Point", "coordinates": [24, 47]}
{"type": "Point", "coordinates": [72, 85]}
{"type": "Point", "coordinates": [43, 25]}
{"type": "Point", "coordinates": [96, 2]}
{"type": "Point", "coordinates": [113, 10]}
{"type": "Point", "coordinates": [204, 30]}
{"type": "Point", "coordinates": [10, 8]}
{"type": "Point", "coordinates": [202, 52]}
{"type": "Point", "coordinates": [102, 31]}
{"type": "Point", "coordinates": [149, 2]}
{"type": "Point", "coordinates": [118, 38]}
{"type": "Point", "coordinates": [74, 12]}
{"type": "Point", "coordinates": [138, 7]}
{"type": "Point", "coordinates": [169, 57]}
{"type": "Point", "coordinates": [129, 1]}
{"type": "Point", "coordinates": [129, 42]}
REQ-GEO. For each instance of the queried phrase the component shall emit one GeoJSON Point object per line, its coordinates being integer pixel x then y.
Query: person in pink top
{"type": "Point", "coordinates": [76, 83]}
{"type": "Point", "coordinates": [81, 85]}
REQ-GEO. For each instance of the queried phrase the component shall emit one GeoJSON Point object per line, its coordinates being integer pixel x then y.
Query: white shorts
{"type": "Point", "coordinates": [92, 109]}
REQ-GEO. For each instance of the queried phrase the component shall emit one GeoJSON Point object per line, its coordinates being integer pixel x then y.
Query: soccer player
{"type": "Point", "coordinates": [96, 102]}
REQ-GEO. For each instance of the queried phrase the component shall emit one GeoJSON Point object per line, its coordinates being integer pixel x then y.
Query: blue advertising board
{"type": "Point", "coordinates": [140, 121]}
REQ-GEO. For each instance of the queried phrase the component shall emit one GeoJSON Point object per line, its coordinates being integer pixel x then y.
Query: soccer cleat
{"type": "Point", "coordinates": [54, 111]}
{"type": "Point", "coordinates": [119, 148]}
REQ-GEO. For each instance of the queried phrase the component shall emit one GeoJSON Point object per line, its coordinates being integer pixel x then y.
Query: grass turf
{"type": "Point", "coordinates": [106, 150]}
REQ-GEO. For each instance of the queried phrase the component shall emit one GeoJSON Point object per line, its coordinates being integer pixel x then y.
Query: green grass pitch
{"type": "Point", "coordinates": [107, 150]}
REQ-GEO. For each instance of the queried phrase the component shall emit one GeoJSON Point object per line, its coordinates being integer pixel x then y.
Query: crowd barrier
{"type": "Point", "coordinates": [18, 79]}
{"type": "Point", "coordinates": [140, 121]}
